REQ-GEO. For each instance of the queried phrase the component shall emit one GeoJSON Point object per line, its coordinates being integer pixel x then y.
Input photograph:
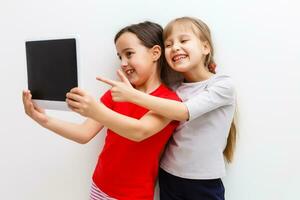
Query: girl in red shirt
{"type": "Point", "coordinates": [127, 167]}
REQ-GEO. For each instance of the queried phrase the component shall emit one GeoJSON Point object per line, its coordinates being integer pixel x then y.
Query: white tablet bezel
{"type": "Point", "coordinates": [57, 105]}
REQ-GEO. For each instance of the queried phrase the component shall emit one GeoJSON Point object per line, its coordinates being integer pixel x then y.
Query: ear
{"type": "Point", "coordinates": [156, 52]}
{"type": "Point", "coordinates": [206, 48]}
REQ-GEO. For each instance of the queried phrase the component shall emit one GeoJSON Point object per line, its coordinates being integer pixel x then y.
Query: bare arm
{"type": "Point", "coordinates": [168, 108]}
{"type": "Point", "coordinates": [131, 128]}
{"type": "Point", "coordinates": [123, 91]}
{"type": "Point", "coordinates": [81, 133]}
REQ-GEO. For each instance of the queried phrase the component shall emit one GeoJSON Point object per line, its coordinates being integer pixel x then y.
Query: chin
{"type": "Point", "coordinates": [138, 82]}
{"type": "Point", "coordinates": [180, 68]}
{"type": "Point", "coordinates": [134, 82]}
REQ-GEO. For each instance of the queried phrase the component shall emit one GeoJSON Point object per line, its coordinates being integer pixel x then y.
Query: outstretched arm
{"type": "Point", "coordinates": [123, 91]}
{"type": "Point", "coordinates": [81, 133]}
{"type": "Point", "coordinates": [168, 108]}
{"type": "Point", "coordinates": [131, 128]}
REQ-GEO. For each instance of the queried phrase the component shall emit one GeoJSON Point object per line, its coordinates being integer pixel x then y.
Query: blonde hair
{"type": "Point", "coordinates": [200, 29]}
{"type": "Point", "coordinates": [204, 34]}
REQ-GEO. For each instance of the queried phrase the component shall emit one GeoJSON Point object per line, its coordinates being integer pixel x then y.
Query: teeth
{"type": "Point", "coordinates": [177, 58]}
{"type": "Point", "coordinates": [130, 71]}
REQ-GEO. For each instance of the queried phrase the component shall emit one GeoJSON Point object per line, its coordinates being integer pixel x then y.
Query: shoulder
{"type": "Point", "coordinates": [106, 98]}
{"type": "Point", "coordinates": [221, 79]}
{"type": "Point", "coordinates": [222, 86]}
{"type": "Point", "coordinates": [106, 95]}
{"type": "Point", "coordinates": [223, 82]}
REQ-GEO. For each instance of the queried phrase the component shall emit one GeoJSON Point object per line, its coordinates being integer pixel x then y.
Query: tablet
{"type": "Point", "coordinates": [51, 71]}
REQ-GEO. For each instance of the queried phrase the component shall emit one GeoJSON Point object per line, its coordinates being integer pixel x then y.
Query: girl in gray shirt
{"type": "Point", "coordinates": [194, 160]}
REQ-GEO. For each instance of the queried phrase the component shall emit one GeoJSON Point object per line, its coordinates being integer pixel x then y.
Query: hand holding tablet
{"type": "Point", "coordinates": [51, 71]}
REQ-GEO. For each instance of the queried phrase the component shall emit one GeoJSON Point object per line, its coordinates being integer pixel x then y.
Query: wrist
{"type": "Point", "coordinates": [136, 96]}
{"type": "Point", "coordinates": [45, 122]}
{"type": "Point", "coordinates": [97, 113]}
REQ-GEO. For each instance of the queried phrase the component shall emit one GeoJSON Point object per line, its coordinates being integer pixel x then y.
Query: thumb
{"type": "Point", "coordinates": [123, 78]}
{"type": "Point", "coordinates": [39, 109]}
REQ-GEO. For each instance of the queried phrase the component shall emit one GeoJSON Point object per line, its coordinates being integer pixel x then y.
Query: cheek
{"type": "Point", "coordinates": [142, 63]}
{"type": "Point", "coordinates": [167, 52]}
{"type": "Point", "coordinates": [167, 55]}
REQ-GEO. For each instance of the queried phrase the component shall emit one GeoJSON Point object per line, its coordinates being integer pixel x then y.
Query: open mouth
{"type": "Point", "coordinates": [129, 72]}
{"type": "Point", "coordinates": [178, 58]}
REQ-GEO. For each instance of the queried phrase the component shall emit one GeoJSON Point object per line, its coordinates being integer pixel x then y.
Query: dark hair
{"type": "Point", "coordinates": [150, 34]}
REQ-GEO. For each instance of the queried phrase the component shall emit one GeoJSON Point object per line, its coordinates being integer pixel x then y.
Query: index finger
{"type": "Point", "coordinates": [78, 91]}
{"type": "Point", "coordinates": [123, 78]}
{"type": "Point", "coordinates": [107, 81]}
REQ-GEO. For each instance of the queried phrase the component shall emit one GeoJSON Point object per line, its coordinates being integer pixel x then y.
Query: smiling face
{"type": "Point", "coordinates": [136, 60]}
{"type": "Point", "coordinates": [184, 50]}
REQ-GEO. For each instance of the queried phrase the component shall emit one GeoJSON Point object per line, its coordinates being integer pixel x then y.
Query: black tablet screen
{"type": "Point", "coordinates": [51, 68]}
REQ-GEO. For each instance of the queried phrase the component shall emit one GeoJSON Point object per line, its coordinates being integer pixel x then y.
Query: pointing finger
{"type": "Point", "coordinates": [107, 81]}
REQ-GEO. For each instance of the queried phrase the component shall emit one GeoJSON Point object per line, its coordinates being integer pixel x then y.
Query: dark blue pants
{"type": "Point", "coordinates": [176, 188]}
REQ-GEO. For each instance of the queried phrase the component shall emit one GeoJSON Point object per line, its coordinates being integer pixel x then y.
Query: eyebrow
{"type": "Point", "coordinates": [126, 49]}
{"type": "Point", "coordinates": [181, 35]}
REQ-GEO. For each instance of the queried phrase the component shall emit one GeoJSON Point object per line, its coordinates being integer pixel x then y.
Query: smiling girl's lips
{"type": "Point", "coordinates": [129, 71]}
{"type": "Point", "coordinates": [178, 57]}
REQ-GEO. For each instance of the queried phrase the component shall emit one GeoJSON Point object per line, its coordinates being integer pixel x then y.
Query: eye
{"type": "Point", "coordinates": [129, 54]}
{"type": "Point", "coordinates": [167, 45]}
{"type": "Point", "coordinates": [119, 56]}
{"type": "Point", "coordinates": [184, 40]}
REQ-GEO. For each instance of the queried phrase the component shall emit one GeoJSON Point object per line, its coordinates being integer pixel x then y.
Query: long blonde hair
{"type": "Point", "coordinates": [203, 31]}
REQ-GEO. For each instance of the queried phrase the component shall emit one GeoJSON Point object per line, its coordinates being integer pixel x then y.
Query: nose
{"type": "Point", "coordinates": [124, 63]}
{"type": "Point", "coordinates": [175, 47]}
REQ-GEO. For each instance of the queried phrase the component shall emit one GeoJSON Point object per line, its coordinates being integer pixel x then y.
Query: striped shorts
{"type": "Point", "coordinates": [97, 194]}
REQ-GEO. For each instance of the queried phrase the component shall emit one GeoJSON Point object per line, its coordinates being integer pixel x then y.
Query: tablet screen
{"type": "Point", "coordinates": [51, 68]}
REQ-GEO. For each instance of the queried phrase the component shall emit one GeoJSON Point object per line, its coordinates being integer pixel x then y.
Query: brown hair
{"type": "Point", "coordinates": [204, 34]}
{"type": "Point", "coordinates": [150, 34]}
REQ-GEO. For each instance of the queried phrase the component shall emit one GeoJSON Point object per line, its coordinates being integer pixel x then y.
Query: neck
{"type": "Point", "coordinates": [198, 73]}
{"type": "Point", "coordinates": [150, 85]}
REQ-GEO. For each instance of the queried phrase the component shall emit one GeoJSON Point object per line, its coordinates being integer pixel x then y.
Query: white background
{"type": "Point", "coordinates": [257, 43]}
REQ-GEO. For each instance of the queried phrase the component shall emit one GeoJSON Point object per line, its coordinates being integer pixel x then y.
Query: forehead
{"type": "Point", "coordinates": [127, 40]}
{"type": "Point", "coordinates": [181, 28]}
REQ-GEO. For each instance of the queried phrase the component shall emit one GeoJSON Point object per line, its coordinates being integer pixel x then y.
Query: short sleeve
{"type": "Point", "coordinates": [218, 94]}
{"type": "Point", "coordinates": [106, 99]}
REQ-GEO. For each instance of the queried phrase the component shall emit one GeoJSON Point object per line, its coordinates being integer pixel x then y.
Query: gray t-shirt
{"type": "Point", "coordinates": [196, 149]}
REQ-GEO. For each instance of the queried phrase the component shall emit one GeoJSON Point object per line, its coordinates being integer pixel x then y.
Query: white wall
{"type": "Point", "coordinates": [257, 43]}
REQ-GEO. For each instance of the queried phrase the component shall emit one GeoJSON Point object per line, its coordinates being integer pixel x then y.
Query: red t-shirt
{"type": "Point", "coordinates": [127, 170]}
